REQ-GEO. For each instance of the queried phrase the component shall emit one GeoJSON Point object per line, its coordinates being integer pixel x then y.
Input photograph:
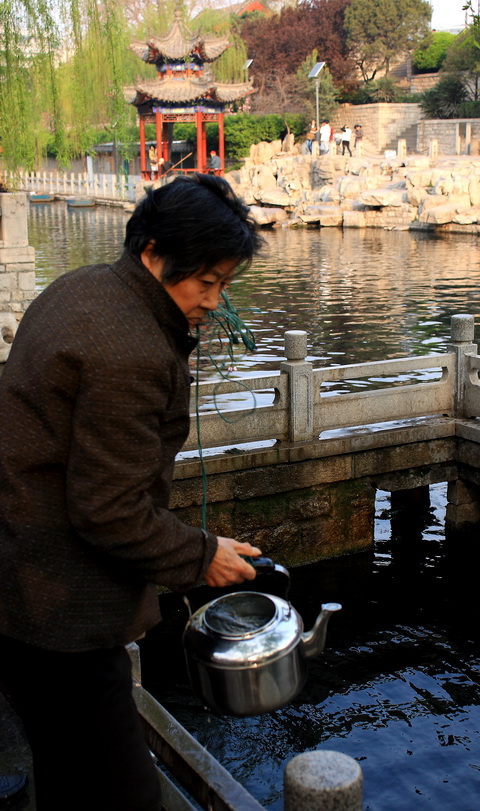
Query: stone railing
{"type": "Point", "coordinates": [291, 406]}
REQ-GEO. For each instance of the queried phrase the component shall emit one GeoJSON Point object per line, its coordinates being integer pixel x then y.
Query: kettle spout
{"type": "Point", "coordinates": [313, 642]}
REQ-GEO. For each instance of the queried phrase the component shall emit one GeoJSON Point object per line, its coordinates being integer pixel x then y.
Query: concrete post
{"type": "Point", "coordinates": [17, 260]}
{"type": "Point", "coordinates": [300, 377]}
{"type": "Point", "coordinates": [401, 148]}
{"type": "Point", "coordinates": [323, 781]}
{"type": "Point", "coordinates": [463, 507]}
{"type": "Point", "coordinates": [433, 148]}
{"type": "Point", "coordinates": [134, 652]}
{"type": "Point", "coordinates": [461, 333]}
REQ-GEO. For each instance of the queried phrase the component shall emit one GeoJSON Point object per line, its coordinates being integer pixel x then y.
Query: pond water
{"type": "Point", "coordinates": [397, 686]}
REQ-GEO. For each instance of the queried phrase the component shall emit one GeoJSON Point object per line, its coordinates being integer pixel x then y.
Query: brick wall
{"type": "Point", "coordinates": [381, 123]}
{"type": "Point", "coordinates": [455, 136]}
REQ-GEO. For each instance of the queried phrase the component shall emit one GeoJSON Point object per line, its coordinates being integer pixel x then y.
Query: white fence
{"type": "Point", "coordinates": [296, 405]}
{"type": "Point", "coordinates": [72, 184]}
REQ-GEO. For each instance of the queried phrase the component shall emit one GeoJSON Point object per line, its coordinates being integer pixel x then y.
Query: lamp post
{"type": "Point", "coordinates": [247, 64]}
{"type": "Point", "coordinates": [315, 74]}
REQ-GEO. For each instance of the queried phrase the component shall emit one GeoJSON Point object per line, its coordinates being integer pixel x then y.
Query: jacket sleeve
{"type": "Point", "coordinates": [128, 424]}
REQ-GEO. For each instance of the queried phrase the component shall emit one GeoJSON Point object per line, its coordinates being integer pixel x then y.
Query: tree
{"type": "Point", "coordinates": [445, 99]}
{"type": "Point", "coordinates": [432, 51]}
{"type": "Point", "coordinates": [327, 94]}
{"type": "Point", "coordinates": [380, 32]}
{"type": "Point", "coordinates": [327, 21]}
{"type": "Point", "coordinates": [62, 70]}
{"type": "Point", "coordinates": [462, 61]}
{"type": "Point", "coordinates": [279, 44]}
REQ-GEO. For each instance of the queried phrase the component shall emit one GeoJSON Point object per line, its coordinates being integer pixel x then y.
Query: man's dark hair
{"type": "Point", "coordinates": [194, 222]}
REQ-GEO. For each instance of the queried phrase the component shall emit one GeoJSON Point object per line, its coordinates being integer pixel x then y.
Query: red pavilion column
{"type": "Point", "coordinates": [199, 126]}
{"type": "Point", "coordinates": [204, 147]}
{"type": "Point", "coordinates": [159, 132]}
{"type": "Point", "coordinates": [165, 141]}
{"type": "Point", "coordinates": [221, 142]}
{"type": "Point", "coordinates": [143, 152]}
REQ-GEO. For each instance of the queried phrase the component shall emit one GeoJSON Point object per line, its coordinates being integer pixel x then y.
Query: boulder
{"type": "Point", "coordinates": [288, 143]}
{"type": "Point", "coordinates": [268, 216]}
{"type": "Point", "coordinates": [264, 178]}
{"type": "Point", "coordinates": [457, 201]}
{"type": "Point", "coordinates": [324, 215]}
{"type": "Point", "coordinates": [274, 197]}
{"type": "Point", "coordinates": [264, 151]}
{"type": "Point", "coordinates": [467, 217]}
{"type": "Point", "coordinates": [474, 190]}
{"type": "Point", "coordinates": [416, 196]}
{"type": "Point", "coordinates": [383, 197]}
{"type": "Point", "coordinates": [327, 194]}
{"type": "Point", "coordinates": [351, 186]}
{"type": "Point", "coordinates": [444, 185]}
{"type": "Point", "coordinates": [416, 178]}
{"type": "Point", "coordinates": [354, 219]}
{"type": "Point", "coordinates": [440, 215]}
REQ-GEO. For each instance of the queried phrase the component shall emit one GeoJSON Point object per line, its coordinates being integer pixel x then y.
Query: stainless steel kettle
{"type": "Point", "coordinates": [247, 652]}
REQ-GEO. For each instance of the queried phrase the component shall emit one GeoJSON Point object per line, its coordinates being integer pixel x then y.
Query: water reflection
{"type": "Point", "coordinates": [360, 294]}
{"type": "Point", "coordinates": [396, 686]}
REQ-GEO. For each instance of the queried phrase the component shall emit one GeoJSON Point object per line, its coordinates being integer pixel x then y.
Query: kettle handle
{"type": "Point", "coordinates": [266, 565]}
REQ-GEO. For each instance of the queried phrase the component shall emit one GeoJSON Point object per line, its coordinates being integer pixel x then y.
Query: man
{"type": "Point", "coordinates": [325, 135]}
{"type": "Point", "coordinates": [95, 401]}
{"type": "Point", "coordinates": [215, 162]}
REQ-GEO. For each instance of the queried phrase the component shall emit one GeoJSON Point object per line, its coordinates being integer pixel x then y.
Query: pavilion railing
{"type": "Point", "coordinates": [75, 184]}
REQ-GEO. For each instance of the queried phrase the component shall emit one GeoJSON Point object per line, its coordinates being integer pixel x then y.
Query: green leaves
{"type": "Point", "coordinates": [379, 32]}
{"type": "Point", "coordinates": [62, 71]}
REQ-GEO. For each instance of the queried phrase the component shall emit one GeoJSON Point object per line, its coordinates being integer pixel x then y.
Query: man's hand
{"type": "Point", "coordinates": [227, 566]}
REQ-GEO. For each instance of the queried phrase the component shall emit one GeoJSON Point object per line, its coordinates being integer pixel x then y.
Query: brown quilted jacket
{"type": "Point", "coordinates": [93, 409]}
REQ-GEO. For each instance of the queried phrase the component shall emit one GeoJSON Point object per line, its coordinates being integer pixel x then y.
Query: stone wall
{"type": "Point", "coordinates": [423, 81]}
{"type": "Point", "coordinates": [455, 136]}
{"type": "Point", "coordinates": [17, 267]}
{"type": "Point", "coordinates": [382, 123]}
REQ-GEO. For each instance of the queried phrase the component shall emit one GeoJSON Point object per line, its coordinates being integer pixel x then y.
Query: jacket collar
{"type": "Point", "coordinates": [133, 272]}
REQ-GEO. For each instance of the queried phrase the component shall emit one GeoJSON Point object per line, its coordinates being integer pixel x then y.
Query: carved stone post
{"type": "Point", "coordinates": [463, 508]}
{"type": "Point", "coordinates": [323, 781]}
{"type": "Point", "coordinates": [300, 374]}
{"type": "Point", "coordinates": [462, 333]}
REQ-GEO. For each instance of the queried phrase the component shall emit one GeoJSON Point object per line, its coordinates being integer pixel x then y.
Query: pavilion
{"type": "Point", "coordinates": [183, 90]}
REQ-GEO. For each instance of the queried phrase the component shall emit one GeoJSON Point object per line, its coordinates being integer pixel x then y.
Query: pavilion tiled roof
{"type": "Point", "coordinates": [186, 89]}
{"type": "Point", "coordinates": [179, 43]}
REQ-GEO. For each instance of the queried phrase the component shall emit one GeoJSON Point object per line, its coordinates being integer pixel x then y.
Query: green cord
{"type": "Point", "coordinates": [224, 325]}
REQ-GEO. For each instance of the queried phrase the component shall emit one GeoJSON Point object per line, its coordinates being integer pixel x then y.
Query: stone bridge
{"type": "Point", "coordinates": [298, 474]}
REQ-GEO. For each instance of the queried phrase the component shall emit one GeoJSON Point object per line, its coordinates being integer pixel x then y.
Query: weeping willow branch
{"type": "Point", "coordinates": [63, 64]}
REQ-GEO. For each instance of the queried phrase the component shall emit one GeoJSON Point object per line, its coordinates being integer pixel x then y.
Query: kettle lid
{"type": "Point", "coordinates": [242, 614]}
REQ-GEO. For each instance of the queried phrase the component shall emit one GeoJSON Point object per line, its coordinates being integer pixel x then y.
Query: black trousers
{"type": "Point", "coordinates": [89, 753]}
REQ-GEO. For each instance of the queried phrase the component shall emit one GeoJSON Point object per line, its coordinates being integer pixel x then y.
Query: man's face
{"type": "Point", "coordinates": [199, 294]}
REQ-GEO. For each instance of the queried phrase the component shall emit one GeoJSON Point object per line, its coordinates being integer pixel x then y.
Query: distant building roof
{"type": "Point", "coordinates": [248, 7]}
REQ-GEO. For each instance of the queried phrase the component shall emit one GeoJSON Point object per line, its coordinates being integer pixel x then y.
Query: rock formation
{"type": "Point", "coordinates": [285, 188]}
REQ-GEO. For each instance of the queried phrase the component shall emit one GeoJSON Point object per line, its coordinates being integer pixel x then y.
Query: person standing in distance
{"type": "Point", "coordinates": [94, 400]}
